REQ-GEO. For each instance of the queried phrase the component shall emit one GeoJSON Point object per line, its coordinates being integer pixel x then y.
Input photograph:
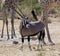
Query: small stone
{"type": "Point", "coordinates": [15, 42]}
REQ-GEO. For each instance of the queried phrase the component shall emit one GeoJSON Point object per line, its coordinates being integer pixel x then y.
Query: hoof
{"type": "Point", "coordinates": [37, 49]}
{"type": "Point", "coordinates": [1, 36]}
{"type": "Point", "coordinates": [12, 37]}
{"type": "Point", "coordinates": [21, 48]}
{"type": "Point", "coordinates": [52, 44]}
{"type": "Point", "coordinates": [44, 44]}
{"type": "Point", "coordinates": [30, 49]}
{"type": "Point", "coordinates": [8, 38]}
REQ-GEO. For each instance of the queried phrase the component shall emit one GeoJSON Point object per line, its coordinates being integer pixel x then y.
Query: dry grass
{"type": "Point", "coordinates": [9, 49]}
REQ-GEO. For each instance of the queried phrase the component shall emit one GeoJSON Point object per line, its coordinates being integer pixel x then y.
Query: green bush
{"type": "Point", "coordinates": [58, 8]}
{"type": "Point", "coordinates": [31, 4]}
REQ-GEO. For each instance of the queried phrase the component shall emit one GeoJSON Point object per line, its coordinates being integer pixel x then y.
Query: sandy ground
{"type": "Point", "coordinates": [7, 48]}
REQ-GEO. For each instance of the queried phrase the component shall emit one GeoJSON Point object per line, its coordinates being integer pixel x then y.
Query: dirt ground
{"type": "Point", "coordinates": [7, 48]}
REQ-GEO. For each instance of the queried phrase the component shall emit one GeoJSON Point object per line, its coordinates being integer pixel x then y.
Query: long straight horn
{"type": "Point", "coordinates": [20, 11]}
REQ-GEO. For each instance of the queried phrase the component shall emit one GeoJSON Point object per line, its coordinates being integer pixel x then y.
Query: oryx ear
{"type": "Point", "coordinates": [26, 18]}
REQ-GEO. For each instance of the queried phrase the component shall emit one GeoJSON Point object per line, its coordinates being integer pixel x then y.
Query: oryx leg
{"type": "Point", "coordinates": [29, 42]}
{"type": "Point", "coordinates": [43, 36]}
{"type": "Point", "coordinates": [22, 43]}
{"type": "Point", "coordinates": [40, 39]}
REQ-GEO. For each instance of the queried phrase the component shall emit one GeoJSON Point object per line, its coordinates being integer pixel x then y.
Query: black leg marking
{"type": "Point", "coordinates": [43, 36]}
{"type": "Point", "coordinates": [39, 36]}
{"type": "Point", "coordinates": [40, 39]}
{"type": "Point", "coordinates": [29, 43]}
{"type": "Point", "coordinates": [28, 38]}
{"type": "Point", "coordinates": [22, 39]}
{"type": "Point", "coordinates": [22, 43]}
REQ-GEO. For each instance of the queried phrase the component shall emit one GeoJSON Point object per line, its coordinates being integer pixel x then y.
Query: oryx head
{"type": "Point", "coordinates": [25, 21]}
